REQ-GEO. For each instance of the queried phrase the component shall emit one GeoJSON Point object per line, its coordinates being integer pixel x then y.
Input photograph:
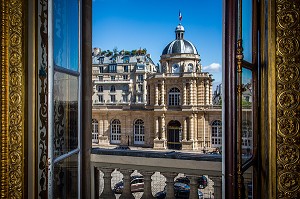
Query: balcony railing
{"type": "Point", "coordinates": [159, 170]}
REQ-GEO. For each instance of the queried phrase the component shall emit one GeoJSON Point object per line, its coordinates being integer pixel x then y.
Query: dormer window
{"type": "Point", "coordinates": [126, 69]}
{"type": "Point", "coordinates": [126, 59]}
{"type": "Point", "coordinates": [112, 68]}
{"type": "Point", "coordinates": [101, 60]}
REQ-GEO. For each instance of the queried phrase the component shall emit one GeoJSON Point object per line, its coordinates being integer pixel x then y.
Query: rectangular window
{"type": "Point", "coordinates": [113, 98]}
{"type": "Point", "coordinates": [112, 68]}
{"type": "Point", "coordinates": [113, 78]}
{"type": "Point", "coordinates": [101, 60]}
{"type": "Point", "coordinates": [125, 98]}
{"type": "Point", "coordinates": [140, 98]}
{"type": "Point", "coordinates": [125, 77]}
{"type": "Point", "coordinates": [101, 69]}
{"type": "Point", "coordinates": [140, 88]}
{"type": "Point", "coordinates": [126, 69]}
{"type": "Point", "coordinates": [140, 78]}
{"type": "Point", "coordinates": [100, 98]}
{"type": "Point", "coordinates": [100, 88]}
{"type": "Point", "coordinates": [100, 78]}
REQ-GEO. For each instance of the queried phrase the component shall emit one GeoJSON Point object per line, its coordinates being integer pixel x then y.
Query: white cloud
{"type": "Point", "coordinates": [214, 67]}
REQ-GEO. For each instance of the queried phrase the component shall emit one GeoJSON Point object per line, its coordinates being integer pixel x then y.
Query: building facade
{"type": "Point", "coordinates": [175, 109]}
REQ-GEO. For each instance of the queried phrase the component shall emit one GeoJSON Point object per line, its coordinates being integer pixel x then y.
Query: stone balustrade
{"type": "Point", "coordinates": [106, 163]}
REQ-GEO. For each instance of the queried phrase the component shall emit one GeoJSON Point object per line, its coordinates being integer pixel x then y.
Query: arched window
{"type": "Point", "coordinates": [139, 132]}
{"type": "Point", "coordinates": [94, 131]}
{"type": "Point", "coordinates": [190, 68]}
{"type": "Point", "coordinates": [246, 135]}
{"type": "Point", "coordinates": [174, 97]}
{"type": "Point", "coordinates": [115, 131]}
{"type": "Point", "coordinates": [112, 89]}
{"type": "Point", "coordinates": [216, 133]}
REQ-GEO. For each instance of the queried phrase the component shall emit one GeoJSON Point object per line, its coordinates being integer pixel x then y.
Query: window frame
{"type": "Point", "coordinates": [115, 131]}
{"type": "Point", "coordinates": [174, 98]}
{"type": "Point", "coordinates": [139, 132]}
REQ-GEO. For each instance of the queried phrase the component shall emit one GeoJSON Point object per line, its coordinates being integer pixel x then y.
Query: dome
{"type": "Point", "coordinates": [179, 28]}
{"type": "Point", "coordinates": [179, 45]}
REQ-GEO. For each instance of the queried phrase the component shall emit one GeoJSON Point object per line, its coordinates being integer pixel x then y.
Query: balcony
{"type": "Point", "coordinates": [159, 170]}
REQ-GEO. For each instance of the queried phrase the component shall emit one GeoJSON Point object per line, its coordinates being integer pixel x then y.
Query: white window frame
{"type": "Point", "coordinates": [115, 131]}
{"type": "Point", "coordinates": [216, 133]}
{"type": "Point", "coordinates": [174, 97]}
{"type": "Point", "coordinates": [139, 132]}
{"type": "Point", "coordinates": [95, 131]}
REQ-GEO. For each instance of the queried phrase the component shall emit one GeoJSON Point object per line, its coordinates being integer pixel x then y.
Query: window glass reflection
{"type": "Point", "coordinates": [65, 182]}
{"type": "Point", "coordinates": [65, 113]}
{"type": "Point", "coordinates": [247, 29]}
{"type": "Point", "coordinates": [65, 34]}
{"type": "Point", "coordinates": [247, 118]}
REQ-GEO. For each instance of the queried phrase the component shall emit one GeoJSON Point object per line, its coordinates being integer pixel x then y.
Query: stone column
{"type": "Point", "coordinates": [207, 92]}
{"type": "Point", "coordinates": [163, 93]}
{"type": "Point", "coordinates": [195, 93]}
{"type": "Point", "coordinates": [127, 187]}
{"type": "Point", "coordinates": [210, 93]}
{"type": "Point", "coordinates": [144, 92]}
{"type": "Point", "coordinates": [191, 92]}
{"type": "Point", "coordinates": [156, 94]}
{"type": "Point", "coordinates": [147, 184]}
{"type": "Point", "coordinates": [196, 127]}
{"type": "Point", "coordinates": [156, 128]}
{"type": "Point", "coordinates": [191, 132]}
{"type": "Point", "coordinates": [106, 130]}
{"type": "Point", "coordinates": [170, 184]}
{"type": "Point", "coordinates": [163, 128]}
{"type": "Point", "coordinates": [184, 135]}
{"type": "Point", "coordinates": [217, 186]}
{"type": "Point", "coordinates": [100, 127]}
{"type": "Point", "coordinates": [193, 187]}
{"type": "Point", "coordinates": [107, 192]}
{"type": "Point", "coordinates": [184, 93]}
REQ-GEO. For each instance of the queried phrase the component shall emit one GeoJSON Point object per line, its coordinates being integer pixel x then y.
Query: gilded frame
{"type": "Point", "coordinates": [13, 99]}
{"type": "Point", "coordinates": [287, 74]}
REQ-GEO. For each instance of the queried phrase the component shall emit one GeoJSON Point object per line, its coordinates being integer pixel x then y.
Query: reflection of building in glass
{"type": "Point", "coordinates": [169, 107]}
{"type": "Point", "coordinates": [217, 95]}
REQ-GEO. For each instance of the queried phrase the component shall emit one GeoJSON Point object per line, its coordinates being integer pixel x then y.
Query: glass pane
{"type": "Point", "coordinates": [248, 184]}
{"type": "Point", "coordinates": [65, 33]}
{"type": "Point", "coordinates": [65, 113]}
{"type": "Point", "coordinates": [247, 134]}
{"type": "Point", "coordinates": [65, 182]}
{"type": "Point", "coordinates": [247, 29]}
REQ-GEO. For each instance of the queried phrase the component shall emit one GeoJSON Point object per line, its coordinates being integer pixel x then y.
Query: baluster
{"type": "Point", "coordinates": [193, 187]}
{"type": "Point", "coordinates": [170, 184]}
{"type": "Point", "coordinates": [107, 192]}
{"type": "Point", "coordinates": [127, 187]}
{"type": "Point", "coordinates": [147, 184]}
{"type": "Point", "coordinates": [97, 179]}
{"type": "Point", "coordinates": [217, 186]}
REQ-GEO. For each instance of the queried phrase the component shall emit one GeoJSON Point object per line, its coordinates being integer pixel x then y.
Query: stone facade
{"type": "Point", "coordinates": [177, 111]}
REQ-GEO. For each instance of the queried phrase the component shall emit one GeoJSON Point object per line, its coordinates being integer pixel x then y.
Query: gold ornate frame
{"type": "Point", "coordinates": [13, 99]}
{"type": "Point", "coordinates": [287, 73]}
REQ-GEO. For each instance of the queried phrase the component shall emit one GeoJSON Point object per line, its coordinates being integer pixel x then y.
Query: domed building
{"type": "Point", "coordinates": [178, 111]}
{"type": "Point", "coordinates": [181, 97]}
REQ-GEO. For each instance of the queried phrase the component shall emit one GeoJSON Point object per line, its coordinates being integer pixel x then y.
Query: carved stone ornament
{"type": "Point", "coordinates": [288, 98]}
{"type": "Point", "coordinates": [12, 85]}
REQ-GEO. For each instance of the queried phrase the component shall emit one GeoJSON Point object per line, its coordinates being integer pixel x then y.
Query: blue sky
{"type": "Point", "coordinates": [133, 24]}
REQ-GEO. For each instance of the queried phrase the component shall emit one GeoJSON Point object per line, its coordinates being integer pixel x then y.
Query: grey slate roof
{"type": "Point", "coordinates": [180, 46]}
